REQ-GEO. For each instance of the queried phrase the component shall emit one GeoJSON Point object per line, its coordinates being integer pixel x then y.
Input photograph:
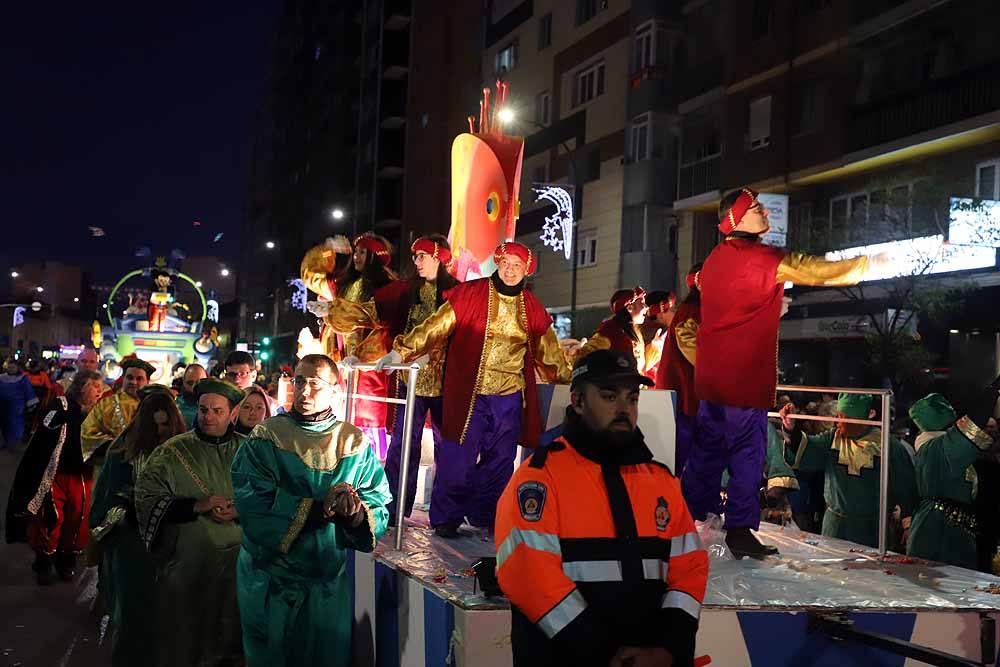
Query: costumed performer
{"type": "Point", "coordinates": [623, 331]}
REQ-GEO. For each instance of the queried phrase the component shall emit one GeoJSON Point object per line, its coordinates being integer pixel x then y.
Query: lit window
{"type": "Point", "coordinates": [507, 58]}
{"type": "Point", "coordinates": [590, 83]}
{"type": "Point", "coordinates": [988, 179]}
{"type": "Point", "coordinates": [586, 249]}
{"type": "Point", "coordinates": [639, 145]}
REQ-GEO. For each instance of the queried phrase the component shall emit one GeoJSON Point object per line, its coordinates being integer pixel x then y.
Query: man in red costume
{"type": "Point", "coordinates": [742, 285]}
{"type": "Point", "coordinates": [676, 370]}
{"type": "Point", "coordinates": [623, 330]}
{"type": "Point", "coordinates": [491, 404]}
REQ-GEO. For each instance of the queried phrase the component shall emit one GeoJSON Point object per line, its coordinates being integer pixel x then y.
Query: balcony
{"type": "Point", "coordinates": [395, 54]}
{"type": "Point", "coordinates": [397, 14]}
{"type": "Point", "coordinates": [393, 112]}
{"type": "Point", "coordinates": [391, 160]}
{"type": "Point", "coordinates": [699, 79]}
{"type": "Point", "coordinates": [698, 177]}
{"type": "Point", "coordinates": [951, 100]}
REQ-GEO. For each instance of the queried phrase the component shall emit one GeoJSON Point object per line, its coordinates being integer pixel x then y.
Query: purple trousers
{"type": "Point", "coordinates": [469, 477]}
{"type": "Point", "coordinates": [393, 460]}
{"type": "Point", "coordinates": [686, 439]}
{"type": "Point", "coordinates": [733, 438]}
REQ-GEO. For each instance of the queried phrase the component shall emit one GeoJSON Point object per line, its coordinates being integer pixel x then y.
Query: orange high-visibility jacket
{"type": "Point", "coordinates": [597, 556]}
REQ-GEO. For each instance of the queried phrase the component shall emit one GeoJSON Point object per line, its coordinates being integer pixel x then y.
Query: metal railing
{"type": "Point", "coordinates": [884, 423]}
{"type": "Point", "coordinates": [411, 383]}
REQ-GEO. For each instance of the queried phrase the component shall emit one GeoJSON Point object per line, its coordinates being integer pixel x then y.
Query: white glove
{"type": "Point", "coordinates": [391, 359]}
{"type": "Point", "coordinates": [340, 244]}
{"type": "Point", "coordinates": [349, 363]}
{"type": "Point", "coordinates": [319, 308]}
{"type": "Point", "coordinates": [786, 301]}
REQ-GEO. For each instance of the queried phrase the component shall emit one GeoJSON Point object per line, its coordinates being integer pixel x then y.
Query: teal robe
{"type": "Point", "coordinates": [188, 410]}
{"type": "Point", "coordinates": [196, 559]}
{"type": "Point", "coordinates": [128, 576]}
{"type": "Point", "coordinates": [945, 473]}
{"type": "Point", "coordinates": [294, 592]}
{"type": "Point", "coordinates": [851, 488]}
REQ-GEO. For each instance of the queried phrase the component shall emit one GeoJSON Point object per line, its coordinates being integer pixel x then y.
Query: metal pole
{"type": "Point", "coordinates": [349, 397]}
{"type": "Point", "coordinates": [577, 207]}
{"type": "Point", "coordinates": [404, 463]}
{"type": "Point", "coordinates": [883, 491]}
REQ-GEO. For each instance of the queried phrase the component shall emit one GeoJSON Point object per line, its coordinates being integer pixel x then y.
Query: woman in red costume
{"type": "Point", "coordinates": [623, 331]}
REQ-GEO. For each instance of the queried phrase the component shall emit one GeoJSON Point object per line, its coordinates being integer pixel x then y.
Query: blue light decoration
{"type": "Point", "coordinates": [557, 231]}
{"type": "Point", "coordinates": [299, 296]}
{"type": "Point", "coordinates": [18, 316]}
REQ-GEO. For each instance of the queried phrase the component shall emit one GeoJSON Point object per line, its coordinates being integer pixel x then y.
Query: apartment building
{"type": "Point", "coordinates": [869, 115]}
{"type": "Point", "coordinates": [577, 73]}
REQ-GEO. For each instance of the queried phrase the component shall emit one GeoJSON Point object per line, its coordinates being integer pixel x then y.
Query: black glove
{"type": "Point", "coordinates": [981, 407]}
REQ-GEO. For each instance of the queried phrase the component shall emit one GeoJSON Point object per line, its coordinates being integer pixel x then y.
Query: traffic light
{"type": "Point", "coordinates": [265, 355]}
{"type": "Point", "coordinates": [265, 344]}
{"type": "Point", "coordinates": [265, 341]}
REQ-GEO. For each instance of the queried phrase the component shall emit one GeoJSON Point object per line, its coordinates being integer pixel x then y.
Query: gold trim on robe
{"type": "Point", "coordinates": [686, 335]}
{"type": "Point", "coordinates": [321, 450]}
{"type": "Point", "coordinates": [298, 523]}
{"type": "Point", "coordinates": [976, 435]}
{"type": "Point", "coordinates": [106, 421]}
{"type": "Point", "coordinates": [802, 269]}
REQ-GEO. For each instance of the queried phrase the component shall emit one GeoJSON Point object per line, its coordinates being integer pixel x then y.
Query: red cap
{"type": "Point", "coordinates": [375, 244]}
{"type": "Point", "coordinates": [520, 251]}
{"type": "Point", "coordinates": [624, 298]}
{"type": "Point", "coordinates": [432, 248]}
{"type": "Point", "coordinates": [739, 208]}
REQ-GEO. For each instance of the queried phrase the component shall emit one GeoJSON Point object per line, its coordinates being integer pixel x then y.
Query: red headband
{"type": "Point", "coordinates": [432, 248]}
{"type": "Point", "coordinates": [662, 306]}
{"type": "Point", "coordinates": [375, 245]}
{"type": "Point", "coordinates": [692, 279]}
{"type": "Point", "coordinates": [624, 298]}
{"type": "Point", "coordinates": [739, 208]}
{"type": "Point", "coordinates": [522, 252]}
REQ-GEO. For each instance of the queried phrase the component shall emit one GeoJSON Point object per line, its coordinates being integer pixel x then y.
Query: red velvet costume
{"type": "Point", "coordinates": [473, 302]}
{"type": "Point", "coordinates": [738, 338]}
{"type": "Point", "coordinates": [676, 372]}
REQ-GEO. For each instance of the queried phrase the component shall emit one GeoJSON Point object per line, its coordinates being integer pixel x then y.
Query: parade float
{"type": "Point", "coordinates": [160, 314]}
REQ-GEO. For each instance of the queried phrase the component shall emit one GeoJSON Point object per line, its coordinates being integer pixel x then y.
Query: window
{"type": "Point", "coordinates": [760, 23]}
{"type": "Point", "coordinates": [988, 179]}
{"type": "Point", "coordinates": [587, 9]}
{"type": "Point", "coordinates": [639, 144]}
{"type": "Point", "coordinates": [507, 58]}
{"type": "Point", "coordinates": [545, 32]}
{"type": "Point", "coordinates": [808, 109]}
{"type": "Point", "coordinates": [593, 167]}
{"type": "Point", "coordinates": [540, 174]}
{"type": "Point", "coordinates": [759, 135]}
{"type": "Point", "coordinates": [586, 248]}
{"type": "Point", "coordinates": [644, 49]}
{"type": "Point", "coordinates": [871, 216]}
{"type": "Point", "coordinates": [589, 83]}
{"type": "Point", "coordinates": [543, 106]}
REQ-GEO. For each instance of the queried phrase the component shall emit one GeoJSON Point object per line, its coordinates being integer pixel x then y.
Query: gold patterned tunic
{"type": "Point", "coordinates": [106, 421]}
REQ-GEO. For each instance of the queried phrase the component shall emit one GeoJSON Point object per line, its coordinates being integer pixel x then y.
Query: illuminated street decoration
{"type": "Point", "coordinates": [18, 316]}
{"type": "Point", "coordinates": [299, 296]}
{"type": "Point", "coordinates": [974, 222]}
{"type": "Point", "coordinates": [557, 231]}
{"type": "Point", "coordinates": [212, 307]}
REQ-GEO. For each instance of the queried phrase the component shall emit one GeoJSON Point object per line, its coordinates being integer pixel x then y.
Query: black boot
{"type": "Point", "coordinates": [66, 565]}
{"type": "Point", "coordinates": [43, 569]}
{"type": "Point", "coordinates": [446, 530]}
{"type": "Point", "coordinates": [741, 542]}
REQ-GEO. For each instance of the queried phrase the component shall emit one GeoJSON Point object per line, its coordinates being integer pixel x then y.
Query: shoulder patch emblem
{"type": "Point", "coordinates": [662, 514]}
{"type": "Point", "coordinates": [531, 500]}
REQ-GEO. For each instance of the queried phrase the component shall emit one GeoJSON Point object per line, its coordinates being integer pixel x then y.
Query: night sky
{"type": "Point", "coordinates": [132, 117]}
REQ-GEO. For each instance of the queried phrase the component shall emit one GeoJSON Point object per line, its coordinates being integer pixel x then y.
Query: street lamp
{"type": "Point", "coordinates": [269, 245]}
{"type": "Point", "coordinates": [14, 274]}
{"type": "Point", "coordinates": [39, 289]}
{"type": "Point", "coordinates": [224, 273]}
{"type": "Point", "coordinates": [76, 299]}
{"type": "Point", "coordinates": [337, 214]}
{"type": "Point", "coordinates": [506, 115]}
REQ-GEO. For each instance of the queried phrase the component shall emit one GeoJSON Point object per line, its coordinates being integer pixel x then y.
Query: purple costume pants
{"type": "Point", "coordinates": [393, 460]}
{"type": "Point", "coordinates": [733, 438]}
{"type": "Point", "coordinates": [469, 477]}
{"type": "Point", "coordinates": [685, 441]}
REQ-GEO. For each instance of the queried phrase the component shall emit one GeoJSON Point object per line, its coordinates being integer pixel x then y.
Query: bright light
{"type": "Point", "coordinates": [925, 255]}
{"type": "Point", "coordinates": [269, 245]}
{"type": "Point", "coordinates": [76, 299]}
{"type": "Point", "coordinates": [266, 340]}
{"type": "Point", "coordinates": [39, 289]}
{"type": "Point", "coordinates": [224, 273]}
{"type": "Point", "coordinates": [104, 306]}
{"type": "Point", "coordinates": [506, 115]}
{"type": "Point", "coordinates": [952, 330]}
{"type": "Point", "coordinates": [265, 355]}
{"type": "Point", "coordinates": [337, 214]}
{"type": "Point", "coordinates": [197, 283]}
{"type": "Point", "coordinates": [14, 274]}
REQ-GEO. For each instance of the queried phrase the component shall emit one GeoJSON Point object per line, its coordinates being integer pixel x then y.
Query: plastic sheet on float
{"type": "Point", "coordinates": [811, 573]}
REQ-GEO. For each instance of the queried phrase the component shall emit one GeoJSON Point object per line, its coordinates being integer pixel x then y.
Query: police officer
{"type": "Point", "coordinates": [597, 551]}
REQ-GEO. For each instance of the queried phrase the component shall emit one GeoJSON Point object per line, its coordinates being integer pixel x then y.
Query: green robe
{"type": "Point", "coordinates": [294, 591]}
{"type": "Point", "coordinates": [945, 473]}
{"type": "Point", "coordinates": [188, 410]}
{"type": "Point", "coordinates": [851, 489]}
{"type": "Point", "coordinates": [196, 560]}
{"type": "Point", "coordinates": [128, 576]}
